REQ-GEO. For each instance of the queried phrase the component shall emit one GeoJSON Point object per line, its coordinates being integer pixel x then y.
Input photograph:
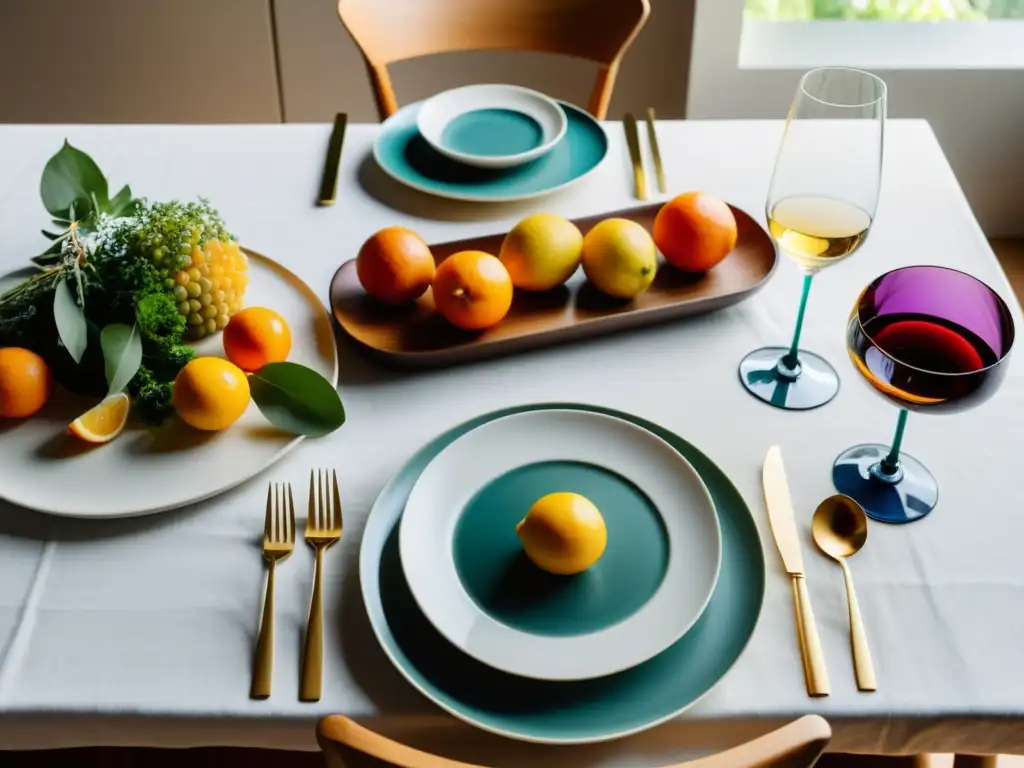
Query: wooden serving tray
{"type": "Point", "coordinates": [417, 336]}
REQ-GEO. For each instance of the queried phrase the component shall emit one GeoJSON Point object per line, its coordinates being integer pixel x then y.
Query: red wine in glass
{"type": "Point", "coordinates": [920, 361]}
{"type": "Point", "coordinates": [927, 339]}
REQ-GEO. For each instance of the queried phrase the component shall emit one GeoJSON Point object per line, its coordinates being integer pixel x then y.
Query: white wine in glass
{"type": "Point", "coordinates": [821, 204]}
{"type": "Point", "coordinates": [817, 231]}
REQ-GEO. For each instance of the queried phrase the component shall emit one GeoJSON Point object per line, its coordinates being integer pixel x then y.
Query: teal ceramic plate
{"type": "Point", "coordinates": [405, 155]}
{"type": "Point", "coordinates": [564, 712]}
{"type": "Point", "coordinates": [464, 562]}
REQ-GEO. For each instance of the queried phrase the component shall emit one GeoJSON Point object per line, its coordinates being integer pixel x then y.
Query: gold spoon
{"type": "Point", "coordinates": [840, 529]}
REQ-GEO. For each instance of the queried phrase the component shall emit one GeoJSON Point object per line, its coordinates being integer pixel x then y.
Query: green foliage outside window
{"type": "Point", "coordinates": [884, 10]}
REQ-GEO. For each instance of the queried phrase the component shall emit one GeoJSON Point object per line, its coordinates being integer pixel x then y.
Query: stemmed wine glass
{"type": "Point", "coordinates": [821, 202]}
{"type": "Point", "coordinates": [928, 339]}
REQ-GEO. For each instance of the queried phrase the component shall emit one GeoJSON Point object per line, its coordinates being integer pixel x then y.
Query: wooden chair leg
{"type": "Point", "coordinates": [974, 761]}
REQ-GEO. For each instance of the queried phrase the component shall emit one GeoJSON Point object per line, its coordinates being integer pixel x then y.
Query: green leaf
{"type": "Point", "coordinates": [51, 235]}
{"type": "Point", "coordinates": [297, 399]}
{"type": "Point", "coordinates": [71, 180]}
{"type": "Point", "coordinates": [70, 320]}
{"type": "Point", "coordinates": [122, 202]}
{"type": "Point", "coordinates": [122, 355]}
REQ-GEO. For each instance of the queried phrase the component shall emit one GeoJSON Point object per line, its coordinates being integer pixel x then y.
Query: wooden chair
{"type": "Point", "coordinates": [797, 745]}
{"type": "Point", "coordinates": [392, 30]}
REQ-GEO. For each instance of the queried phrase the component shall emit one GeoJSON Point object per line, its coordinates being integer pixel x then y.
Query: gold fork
{"type": "Point", "coordinates": [323, 528]}
{"type": "Point", "coordinates": [278, 543]}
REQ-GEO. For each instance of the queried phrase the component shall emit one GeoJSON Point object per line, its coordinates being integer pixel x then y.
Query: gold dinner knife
{"type": "Point", "coordinates": [652, 139]}
{"type": "Point", "coordinates": [783, 522]}
{"type": "Point", "coordinates": [633, 142]}
{"type": "Point", "coordinates": [329, 180]}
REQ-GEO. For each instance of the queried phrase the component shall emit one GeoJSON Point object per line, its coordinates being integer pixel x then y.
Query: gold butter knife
{"type": "Point", "coordinates": [633, 142]}
{"type": "Point", "coordinates": [652, 139]}
{"type": "Point", "coordinates": [329, 181]}
{"type": "Point", "coordinates": [783, 522]}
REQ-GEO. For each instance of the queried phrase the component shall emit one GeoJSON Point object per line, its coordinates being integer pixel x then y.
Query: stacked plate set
{"type": "Point", "coordinates": [490, 143]}
{"type": "Point", "coordinates": [633, 640]}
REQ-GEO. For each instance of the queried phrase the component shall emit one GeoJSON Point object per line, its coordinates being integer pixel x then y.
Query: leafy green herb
{"type": "Point", "coordinates": [297, 399]}
{"type": "Point", "coordinates": [70, 320]}
{"type": "Point", "coordinates": [122, 355]}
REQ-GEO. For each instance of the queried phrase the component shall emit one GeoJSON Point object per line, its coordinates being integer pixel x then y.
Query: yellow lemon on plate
{"type": "Point", "coordinates": [210, 393]}
{"type": "Point", "coordinates": [541, 252]}
{"type": "Point", "coordinates": [619, 258]}
{"type": "Point", "coordinates": [563, 533]}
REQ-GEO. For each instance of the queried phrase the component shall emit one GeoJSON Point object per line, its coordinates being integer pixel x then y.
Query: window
{"type": "Point", "coordinates": [883, 34]}
{"type": "Point", "coordinates": [884, 10]}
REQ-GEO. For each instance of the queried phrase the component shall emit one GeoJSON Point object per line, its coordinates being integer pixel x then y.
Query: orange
{"type": "Point", "coordinates": [695, 231]}
{"type": "Point", "coordinates": [210, 393]}
{"type": "Point", "coordinates": [395, 265]}
{"type": "Point", "coordinates": [257, 336]}
{"type": "Point", "coordinates": [473, 290]}
{"type": "Point", "coordinates": [104, 422]}
{"type": "Point", "coordinates": [25, 382]}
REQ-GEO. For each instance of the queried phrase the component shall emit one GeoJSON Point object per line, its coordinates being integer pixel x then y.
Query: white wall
{"type": "Point", "coordinates": [977, 115]}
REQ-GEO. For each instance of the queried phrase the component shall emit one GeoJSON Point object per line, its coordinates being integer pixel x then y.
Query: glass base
{"type": "Point", "coordinates": [812, 384]}
{"type": "Point", "coordinates": [905, 501]}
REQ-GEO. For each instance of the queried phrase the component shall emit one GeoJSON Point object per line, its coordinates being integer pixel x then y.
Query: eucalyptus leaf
{"type": "Point", "coordinates": [72, 180]}
{"type": "Point", "coordinates": [70, 320]}
{"type": "Point", "coordinates": [46, 259]}
{"type": "Point", "coordinates": [122, 355]}
{"type": "Point", "coordinates": [297, 399]}
{"type": "Point", "coordinates": [122, 202]}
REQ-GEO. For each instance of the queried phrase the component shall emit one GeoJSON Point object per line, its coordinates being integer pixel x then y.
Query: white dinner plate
{"type": "Point", "coordinates": [467, 572]}
{"type": "Point", "coordinates": [147, 470]}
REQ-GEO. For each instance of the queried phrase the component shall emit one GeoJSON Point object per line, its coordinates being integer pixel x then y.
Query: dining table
{"type": "Point", "coordinates": [140, 631]}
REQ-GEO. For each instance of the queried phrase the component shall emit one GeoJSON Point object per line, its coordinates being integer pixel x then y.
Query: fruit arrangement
{"type": "Point", "coordinates": [473, 290]}
{"type": "Point", "coordinates": [120, 293]}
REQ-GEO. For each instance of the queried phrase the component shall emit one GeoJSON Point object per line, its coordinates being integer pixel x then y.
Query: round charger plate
{"type": "Point", "coordinates": [564, 712]}
{"type": "Point", "coordinates": [404, 155]}
{"type": "Point", "coordinates": [491, 125]}
{"type": "Point", "coordinates": [147, 470]}
{"type": "Point", "coordinates": [466, 567]}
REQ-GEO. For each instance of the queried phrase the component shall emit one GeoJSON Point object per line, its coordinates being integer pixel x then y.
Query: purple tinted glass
{"type": "Point", "coordinates": [941, 293]}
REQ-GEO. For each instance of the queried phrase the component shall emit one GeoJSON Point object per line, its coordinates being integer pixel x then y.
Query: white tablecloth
{"type": "Point", "coordinates": [141, 632]}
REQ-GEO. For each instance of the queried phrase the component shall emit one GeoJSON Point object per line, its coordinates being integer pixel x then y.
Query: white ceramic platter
{"type": "Point", "coordinates": [147, 470]}
{"type": "Point", "coordinates": [549, 441]}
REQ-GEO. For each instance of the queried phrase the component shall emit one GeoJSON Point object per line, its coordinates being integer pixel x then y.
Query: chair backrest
{"type": "Point", "coordinates": [797, 745]}
{"type": "Point", "coordinates": [392, 30]}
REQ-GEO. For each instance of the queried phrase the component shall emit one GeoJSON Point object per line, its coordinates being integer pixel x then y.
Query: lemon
{"type": "Point", "coordinates": [211, 393]}
{"type": "Point", "coordinates": [619, 258]}
{"type": "Point", "coordinates": [563, 533]}
{"type": "Point", "coordinates": [541, 252]}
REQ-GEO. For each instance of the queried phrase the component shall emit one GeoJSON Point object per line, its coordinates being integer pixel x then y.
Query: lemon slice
{"type": "Point", "coordinates": [104, 422]}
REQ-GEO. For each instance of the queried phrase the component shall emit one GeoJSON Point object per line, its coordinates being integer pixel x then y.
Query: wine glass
{"type": "Point", "coordinates": [928, 339]}
{"type": "Point", "coordinates": [821, 202]}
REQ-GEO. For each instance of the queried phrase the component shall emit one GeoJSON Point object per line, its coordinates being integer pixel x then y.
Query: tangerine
{"type": "Point", "coordinates": [472, 290]}
{"type": "Point", "coordinates": [257, 336]}
{"type": "Point", "coordinates": [695, 231]}
{"type": "Point", "coordinates": [25, 382]}
{"type": "Point", "coordinates": [395, 265]}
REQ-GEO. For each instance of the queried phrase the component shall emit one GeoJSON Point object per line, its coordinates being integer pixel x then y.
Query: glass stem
{"type": "Point", "coordinates": [890, 465]}
{"type": "Point", "coordinates": [791, 359]}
